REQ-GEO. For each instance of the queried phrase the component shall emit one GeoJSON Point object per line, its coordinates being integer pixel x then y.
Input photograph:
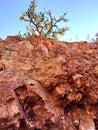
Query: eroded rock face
{"type": "Point", "coordinates": [48, 85]}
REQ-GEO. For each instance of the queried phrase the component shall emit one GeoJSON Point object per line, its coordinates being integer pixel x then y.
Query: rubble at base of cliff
{"type": "Point", "coordinates": [47, 84]}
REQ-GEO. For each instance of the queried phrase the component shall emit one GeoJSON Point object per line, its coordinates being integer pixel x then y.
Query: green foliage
{"type": "Point", "coordinates": [43, 23]}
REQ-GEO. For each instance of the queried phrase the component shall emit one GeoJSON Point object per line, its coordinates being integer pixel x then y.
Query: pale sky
{"type": "Point", "coordinates": [82, 15]}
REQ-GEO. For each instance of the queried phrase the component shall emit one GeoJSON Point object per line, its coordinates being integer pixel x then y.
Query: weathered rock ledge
{"type": "Point", "coordinates": [48, 85]}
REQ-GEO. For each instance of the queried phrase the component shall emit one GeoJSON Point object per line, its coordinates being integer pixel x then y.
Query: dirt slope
{"type": "Point", "coordinates": [48, 85]}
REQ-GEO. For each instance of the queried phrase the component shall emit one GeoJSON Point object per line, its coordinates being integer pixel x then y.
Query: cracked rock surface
{"type": "Point", "coordinates": [48, 85]}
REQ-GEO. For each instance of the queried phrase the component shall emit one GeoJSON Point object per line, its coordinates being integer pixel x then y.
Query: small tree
{"type": "Point", "coordinates": [43, 23]}
{"type": "Point", "coordinates": [95, 40]}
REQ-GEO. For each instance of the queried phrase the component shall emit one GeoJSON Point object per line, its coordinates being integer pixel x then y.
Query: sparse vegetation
{"type": "Point", "coordinates": [95, 40]}
{"type": "Point", "coordinates": [43, 23]}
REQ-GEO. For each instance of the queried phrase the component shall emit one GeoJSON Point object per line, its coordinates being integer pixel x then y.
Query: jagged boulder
{"type": "Point", "coordinates": [48, 85]}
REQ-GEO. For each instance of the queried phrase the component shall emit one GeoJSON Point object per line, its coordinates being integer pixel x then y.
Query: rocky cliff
{"type": "Point", "coordinates": [48, 85]}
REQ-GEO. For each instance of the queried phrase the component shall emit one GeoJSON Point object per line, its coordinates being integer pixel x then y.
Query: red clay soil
{"type": "Point", "coordinates": [48, 85]}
